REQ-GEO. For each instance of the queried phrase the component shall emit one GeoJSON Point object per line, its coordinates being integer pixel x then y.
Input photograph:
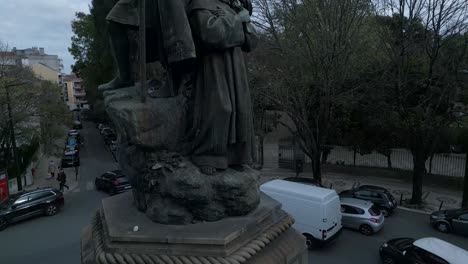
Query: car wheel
{"type": "Point", "coordinates": [51, 210]}
{"type": "Point", "coordinates": [310, 242]}
{"type": "Point", "coordinates": [3, 223]}
{"type": "Point", "coordinates": [388, 260]}
{"type": "Point", "coordinates": [366, 230]}
{"type": "Point", "coordinates": [384, 212]}
{"type": "Point", "coordinates": [98, 188]}
{"type": "Point", "coordinates": [443, 227]}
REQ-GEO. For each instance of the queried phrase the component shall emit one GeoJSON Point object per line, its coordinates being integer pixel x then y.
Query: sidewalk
{"type": "Point", "coordinates": [41, 178]}
{"type": "Point", "coordinates": [401, 190]}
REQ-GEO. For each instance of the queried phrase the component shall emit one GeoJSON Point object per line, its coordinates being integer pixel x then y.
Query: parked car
{"type": "Point", "coordinates": [113, 182]}
{"type": "Point", "coordinates": [316, 210]}
{"type": "Point", "coordinates": [381, 197]}
{"type": "Point", "coordinates": [113, 146]}
{"type": "Point", "coordinates": [308, 181]}
{"type": "Point", "coordinates": [101, 125]}
{"type": "Point", "coordinates": [109, 137]}
{"type": "Point", "coordinates": [361, 215]}
{"type": "Point", "coordinates": [70, 161]}
{"type": "Point", "coordinates": [455, 220]}
{"type": "Point", "coordinates": [73, 140]}
{"type": "Point", "coordinates": [27, 204]}
{"type": "Point", "coordinates": [104, 129]}
{"type": "Point", "coordinates": [71, 150]}
{"type": "Point", "coordinates": [428, 250]}
{"type": "Point", "coordinates": [77, 124]}
{"type": "Point", "coordinates": [73, 132]}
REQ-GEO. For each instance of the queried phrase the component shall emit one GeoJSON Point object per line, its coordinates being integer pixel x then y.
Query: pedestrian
{"type": "Point", "coordinates": [52, 169]}
{"type": "Point", "coordinates": [62, 178]}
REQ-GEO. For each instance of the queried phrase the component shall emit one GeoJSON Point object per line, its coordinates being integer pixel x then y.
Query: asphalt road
{"type": "Point", "coordinates": [352, 247]}
{"type": "Point", "coordinates": [56, 239]}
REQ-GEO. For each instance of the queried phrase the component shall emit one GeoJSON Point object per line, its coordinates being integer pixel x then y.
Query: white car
{"type": "Point", "coordinates": [428, 250]}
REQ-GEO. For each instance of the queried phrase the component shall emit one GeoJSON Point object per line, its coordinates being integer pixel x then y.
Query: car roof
{"type": "Point", "coordinates": [301, 179]}
{"type": "Point", "coordinates": [445, 250]}
{"type": "Point", "coordinates": [372, 187]}
{"type": "Point", "coordinates": [115, 172]}
{"type": "Point", "coordinates": [356, 202]}
{"type": "Point", "coordinates": [36, 191]}
{"type": "Point", "coordinates": [300, 190]}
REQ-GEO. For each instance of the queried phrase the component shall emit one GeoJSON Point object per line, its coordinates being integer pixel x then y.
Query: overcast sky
{"type": "Point", "coordinates": [40, 23]}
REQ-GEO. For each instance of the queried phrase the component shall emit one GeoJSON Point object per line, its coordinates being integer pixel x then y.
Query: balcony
{"type": "Point", "coordinates": [81, 101]}
{"type": "Point", "coordinates": [79, 94]}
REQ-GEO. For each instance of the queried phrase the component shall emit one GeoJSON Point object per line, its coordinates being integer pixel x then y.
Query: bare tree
{"type": "Point", "coordinates": [420, 79]}
{"type": "Point", "coordinates": [312, 50]}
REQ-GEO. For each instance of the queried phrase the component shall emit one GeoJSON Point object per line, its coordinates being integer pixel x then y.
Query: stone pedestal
{"type": "Point", "coordinates": [119, 233]}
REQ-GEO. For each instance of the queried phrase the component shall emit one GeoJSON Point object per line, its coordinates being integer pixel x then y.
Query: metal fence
{"type": "Point", "coordinates": [401, 159]}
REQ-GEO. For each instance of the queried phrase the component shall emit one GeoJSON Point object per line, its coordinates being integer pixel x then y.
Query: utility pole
{"type": "Point", "coordinates": [142, 29]}
{"type": "Point", "coordinates": [465, 181]}
{"type": "Point", "coordinates": [13, 138]}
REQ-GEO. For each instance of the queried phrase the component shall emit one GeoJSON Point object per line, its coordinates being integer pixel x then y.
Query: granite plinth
{"type": "Point", "coordinates": [263, 236]}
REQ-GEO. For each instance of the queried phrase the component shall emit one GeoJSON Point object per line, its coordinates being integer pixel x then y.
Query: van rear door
{"type": "Point", "coordinates": [331, 218]}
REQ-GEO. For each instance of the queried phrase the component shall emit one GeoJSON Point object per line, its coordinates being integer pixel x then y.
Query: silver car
{"type": "Point", "coordinates": [361, 215]}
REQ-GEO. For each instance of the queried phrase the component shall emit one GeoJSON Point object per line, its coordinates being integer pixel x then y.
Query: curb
{"type": "Point", "coordinates": [413, 210]}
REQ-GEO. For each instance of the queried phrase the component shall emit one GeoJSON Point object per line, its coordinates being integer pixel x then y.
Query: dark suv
{"type": "Point", "coordinates": [381, 197]}
{"type": "Point", "coordinates": [72, 160]}
{"type": "Point", "coordinates": [27, 204]}
{"type": "Point", "coordinates": [113, 182]}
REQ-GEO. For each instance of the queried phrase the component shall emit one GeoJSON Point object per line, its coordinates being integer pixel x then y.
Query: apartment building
{"type": "Point", "coordinates": [75, 94]}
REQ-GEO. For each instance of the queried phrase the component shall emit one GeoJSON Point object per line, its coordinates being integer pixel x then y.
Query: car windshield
{"type": "Point", "coordinates": [374, 210]}
{"type": "Point", "coordinates": [8, 202]}
{"type": "Point", "coordinates": [69, 157]}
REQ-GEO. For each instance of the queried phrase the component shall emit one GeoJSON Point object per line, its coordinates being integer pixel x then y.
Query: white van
{"type": "Point", "coordinates": [316, 211]}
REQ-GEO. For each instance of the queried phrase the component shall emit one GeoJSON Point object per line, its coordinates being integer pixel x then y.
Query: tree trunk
{"type": "Point", "coordinates": [465, 183]}
{"type": "Point", "coordinates": [389, 161]}
{"type": "Point", "coordinates": [419, 171]}
{"type": "Point", "coordinates": [354, 156]}
{"type": "Point", "coordinates": [430, 163]}
{"type": "Point", "coordinates": [261, 159]}
{"type": "Point", "coordinates": [325, 154]}
{"type": "Point", "coordinates": [316, 168]}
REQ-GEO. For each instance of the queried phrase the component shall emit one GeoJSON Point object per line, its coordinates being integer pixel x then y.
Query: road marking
{"type": "Point", "coordinates": [90, 186]}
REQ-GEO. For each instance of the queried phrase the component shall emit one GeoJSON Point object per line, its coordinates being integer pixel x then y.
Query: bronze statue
{"type": "Point", "coordinates": [168, 33]}
{"type": "Point", "coordinates": [205, 39]}
{"type": "Point", "coordinates": [223, 134]}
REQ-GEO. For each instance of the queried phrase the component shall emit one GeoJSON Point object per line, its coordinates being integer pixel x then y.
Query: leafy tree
{"type": "Point", "coordinates": [90, 48]}
{"type": "Point", "coordinates": [25, 103]}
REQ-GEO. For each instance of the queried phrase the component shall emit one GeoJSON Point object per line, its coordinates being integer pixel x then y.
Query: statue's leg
{"type": "Point", "coordinates": [120, 52]}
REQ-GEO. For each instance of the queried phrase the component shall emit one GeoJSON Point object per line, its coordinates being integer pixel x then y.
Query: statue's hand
{"type": "Point", "coordinates": [244, 15]}
{"type": "Point", "coordinates": [247, 5]}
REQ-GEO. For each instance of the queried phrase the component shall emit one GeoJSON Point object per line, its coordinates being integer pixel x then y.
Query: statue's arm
{"type": "Point", "coordinates": [217, 29]}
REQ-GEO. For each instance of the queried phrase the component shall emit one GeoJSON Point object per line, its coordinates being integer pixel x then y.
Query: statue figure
{"type": "Point", "coordinates": [222, 128]}
{"type": "Point", "coordinates": [169, 38]}
{"type": "Point", "coordinates": [169, 144]}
